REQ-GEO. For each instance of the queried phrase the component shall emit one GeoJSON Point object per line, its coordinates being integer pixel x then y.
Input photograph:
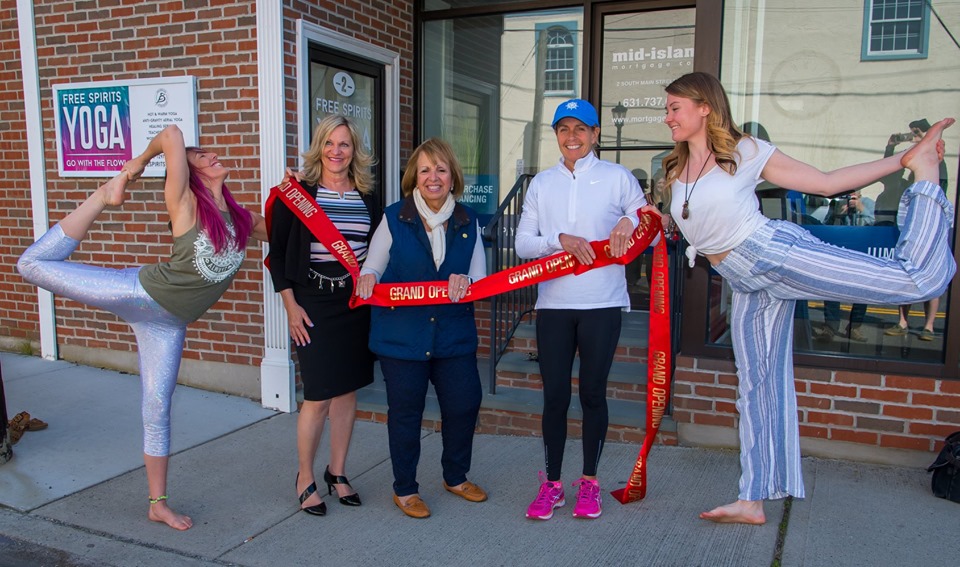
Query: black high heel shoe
{"type": "Point", "coordinates": [350, 499]}
{"type": "Point", "coordinates": [318, 510]}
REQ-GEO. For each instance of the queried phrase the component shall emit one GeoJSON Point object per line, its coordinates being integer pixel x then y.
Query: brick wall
{"type": "Point", "coordinates": [90, 41]}
{"type": "Point", "coordinates": [883, 410]}
{"type": "Point", "coordinates": [213, 40]}
{"type": "Point", "coordinates": [386, 24]}
{"type": "Point", "coordinates": [17, 300]}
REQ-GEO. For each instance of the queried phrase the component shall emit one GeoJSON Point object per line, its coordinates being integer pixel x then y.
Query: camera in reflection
{"type": "Point", "coordinates": [841, 206]}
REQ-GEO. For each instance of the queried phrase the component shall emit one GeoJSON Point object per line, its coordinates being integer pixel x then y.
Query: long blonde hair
{"type": "Point", "coordinates": [359, 169]}
{"type": "Point", "coordinates": [722, 134]}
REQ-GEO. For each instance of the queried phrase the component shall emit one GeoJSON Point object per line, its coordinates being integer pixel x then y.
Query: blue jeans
{"type": "Point", "coordinates": [457, 384]}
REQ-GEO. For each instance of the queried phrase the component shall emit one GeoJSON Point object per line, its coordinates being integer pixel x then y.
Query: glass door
{"type": "Point", "coordinates": [344, 84]}
{"type": "Point", "coordinates": [640, 51]}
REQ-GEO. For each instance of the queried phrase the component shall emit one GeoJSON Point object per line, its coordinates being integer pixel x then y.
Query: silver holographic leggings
{"type": "Point", "coordinates": [159, 334]}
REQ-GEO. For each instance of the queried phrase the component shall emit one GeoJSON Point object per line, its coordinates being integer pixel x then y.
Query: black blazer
{"type": "Point", "coordinates": [290, 241]}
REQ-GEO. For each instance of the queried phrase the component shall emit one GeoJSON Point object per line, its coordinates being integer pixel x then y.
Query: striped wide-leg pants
{"type": "Point", "coordinates": [781, 263]}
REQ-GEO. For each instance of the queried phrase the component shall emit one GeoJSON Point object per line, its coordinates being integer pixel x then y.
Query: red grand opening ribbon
{"type": "Point", "coordinates": [295, 197]}
{"type": "Point", "coordinates": [659, 359]}
{"type": "Point", "coordinates": [530, 273]}
{"type": "Point", "coordinates": [659, 356]}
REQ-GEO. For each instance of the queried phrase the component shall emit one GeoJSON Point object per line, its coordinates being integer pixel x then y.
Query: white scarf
{"type": "Point", "coordinates": [435, 220]}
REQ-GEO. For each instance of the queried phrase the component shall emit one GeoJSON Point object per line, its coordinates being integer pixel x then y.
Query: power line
{"type": "Point", "coordinates": [943, 25]}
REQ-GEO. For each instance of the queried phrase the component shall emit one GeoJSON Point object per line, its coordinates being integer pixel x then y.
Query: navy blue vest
{"type": "Point", "coordinates": [430, 331]}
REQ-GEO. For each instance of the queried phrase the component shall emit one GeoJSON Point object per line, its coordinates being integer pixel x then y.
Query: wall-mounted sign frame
{"type": "Point", "coordinates": [100, 125]}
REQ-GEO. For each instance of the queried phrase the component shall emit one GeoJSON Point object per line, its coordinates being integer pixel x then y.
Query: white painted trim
{"type": "Point", "coordinates": [38, 174]}
{"type": "Point", "coordinates": [277, 385]}
{"type": "Point", "coordinates": [390, 153]}
{"type": "Point", "coordinates": [759, 37]}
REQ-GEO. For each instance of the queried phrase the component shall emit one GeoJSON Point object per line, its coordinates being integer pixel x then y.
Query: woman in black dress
{"type": "Point", "coordinates": [331, 339]}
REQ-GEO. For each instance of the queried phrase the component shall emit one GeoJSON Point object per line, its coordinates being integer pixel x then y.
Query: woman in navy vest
{"type": "Point", "coordinates": [428, 236]}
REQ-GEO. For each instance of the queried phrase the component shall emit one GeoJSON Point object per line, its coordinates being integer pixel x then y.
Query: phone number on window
{"type": "Point", "coordinates": [645, 102]}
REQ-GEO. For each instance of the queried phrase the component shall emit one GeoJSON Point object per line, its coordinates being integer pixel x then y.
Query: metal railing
{"type": "Point", "coordinates": [508, 309]}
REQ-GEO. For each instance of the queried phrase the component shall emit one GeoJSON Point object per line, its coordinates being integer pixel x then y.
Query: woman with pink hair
{"type": "Point", "coordinates": [210, 233]}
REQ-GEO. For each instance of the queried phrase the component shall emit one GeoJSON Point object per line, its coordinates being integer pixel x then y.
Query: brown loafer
{"type": "Point", "coordinates": [467, 491]}
{"type": "Point", "coordinates": [415, 506]}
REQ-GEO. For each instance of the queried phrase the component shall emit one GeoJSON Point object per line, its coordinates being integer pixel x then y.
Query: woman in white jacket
{"type": "Point", "coordinates": [579, 200]}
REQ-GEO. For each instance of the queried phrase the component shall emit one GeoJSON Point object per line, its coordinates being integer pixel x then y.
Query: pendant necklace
{"type": "Point", "coordinates": [685, 213]}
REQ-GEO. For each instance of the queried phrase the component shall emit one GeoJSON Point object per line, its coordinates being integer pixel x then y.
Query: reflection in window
{"type": "Point", "coordinates": [895, 28]}
{"type": "Point", "coordinates": [558, 77]}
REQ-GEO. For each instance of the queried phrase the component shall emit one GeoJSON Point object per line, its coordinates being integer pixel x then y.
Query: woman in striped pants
{"type": "Point", "coordinates": [770, 264]}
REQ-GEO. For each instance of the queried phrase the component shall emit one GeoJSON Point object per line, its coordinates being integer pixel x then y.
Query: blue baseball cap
{"type": "Point", "coordinates": [579, 109]}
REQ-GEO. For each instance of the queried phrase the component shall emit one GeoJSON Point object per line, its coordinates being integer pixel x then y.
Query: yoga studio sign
{"type": "Point", "coordinates": [103, 124]}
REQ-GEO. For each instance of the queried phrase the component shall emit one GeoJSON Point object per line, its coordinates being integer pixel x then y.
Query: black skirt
{"type": "Point", "coordinates": [337, 361]}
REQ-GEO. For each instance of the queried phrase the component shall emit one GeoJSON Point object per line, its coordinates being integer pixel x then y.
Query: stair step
{"type": "Point", "coordinates": [373, 398]}
{"type": "Point", "coordinates": [620, 372]}
{"type": "Point", "coordinates": [521, 400]}
{"type": "Point", "coordinates": [633, 331]}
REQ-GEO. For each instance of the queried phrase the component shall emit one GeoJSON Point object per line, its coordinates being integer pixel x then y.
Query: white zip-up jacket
{"type": "Point", "coordinates": [588, 203]}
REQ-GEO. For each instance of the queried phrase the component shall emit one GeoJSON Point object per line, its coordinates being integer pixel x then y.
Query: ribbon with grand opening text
{"type": "Point", "coordinates": [530, 273]}
{"type": "Point", "coordinates": [659, 357]}
{"type": "Point", "coordinates": [305, 207]}
{"type": "Point", "coordinates": [557, 265]}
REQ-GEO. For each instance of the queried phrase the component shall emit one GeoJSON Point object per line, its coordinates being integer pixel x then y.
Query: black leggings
{"type": "Point", "coordinates": [560, 333]}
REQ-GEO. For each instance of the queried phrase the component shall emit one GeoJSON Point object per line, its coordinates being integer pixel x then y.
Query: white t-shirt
{"type": "Point", "coordinates": [724, 209]}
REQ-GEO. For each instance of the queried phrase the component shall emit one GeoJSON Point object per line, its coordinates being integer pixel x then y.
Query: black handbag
{"type": "Point", "coordinates": [946, 470]}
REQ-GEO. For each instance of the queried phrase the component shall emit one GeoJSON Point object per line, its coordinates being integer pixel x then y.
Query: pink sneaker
{"type": "Point", "coordinates": [588, 499]}
{"type": "Point", "coordinates": [549, 497]}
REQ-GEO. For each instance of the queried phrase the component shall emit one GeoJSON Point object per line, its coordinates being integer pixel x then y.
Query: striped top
{"type": "Point", "coordinates": [349, 214]}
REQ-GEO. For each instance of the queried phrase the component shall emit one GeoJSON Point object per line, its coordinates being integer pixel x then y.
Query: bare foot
{"type": "Point", "coordinates": [115, 190]}
{"type": "Point", "coordinates": [927, 153]}
{"type": "Point", "coordinates": [740, 512]}
{"type": "Point", "coordinates": [160, 512]}
{"type": "Point", "coordinates": [133, 170]}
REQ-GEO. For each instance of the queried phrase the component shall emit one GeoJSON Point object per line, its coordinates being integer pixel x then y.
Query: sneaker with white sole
{"type": "Point", "coordinates": [588, 499]}
{"type": "Point", "coordinates": [549, 497]}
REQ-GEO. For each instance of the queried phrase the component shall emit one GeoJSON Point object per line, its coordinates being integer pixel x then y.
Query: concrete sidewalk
{"type": "Point", "coordinates": [75, 494]}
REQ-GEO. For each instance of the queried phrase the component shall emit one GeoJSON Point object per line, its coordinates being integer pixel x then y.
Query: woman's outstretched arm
{"type": "Point", "coordinates": [785, 171]}
{"type": "Point", "coordinates": [176, 192]}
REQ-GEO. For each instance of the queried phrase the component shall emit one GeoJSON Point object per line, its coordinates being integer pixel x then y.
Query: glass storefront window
{"type": "Point", "coordinates": [642, 52]}
{"type": "Point", "coordinates": [796, 76]}
{"type": "Point", "coordinates": [433, 5]}
{"type": "Point", "coordinates": [806, 90]}
{"type": "Point", "coordinates": [490, 87]}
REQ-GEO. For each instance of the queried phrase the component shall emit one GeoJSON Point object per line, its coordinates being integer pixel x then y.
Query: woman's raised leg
{"type": "Point", "coordinates": [110, 194]}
